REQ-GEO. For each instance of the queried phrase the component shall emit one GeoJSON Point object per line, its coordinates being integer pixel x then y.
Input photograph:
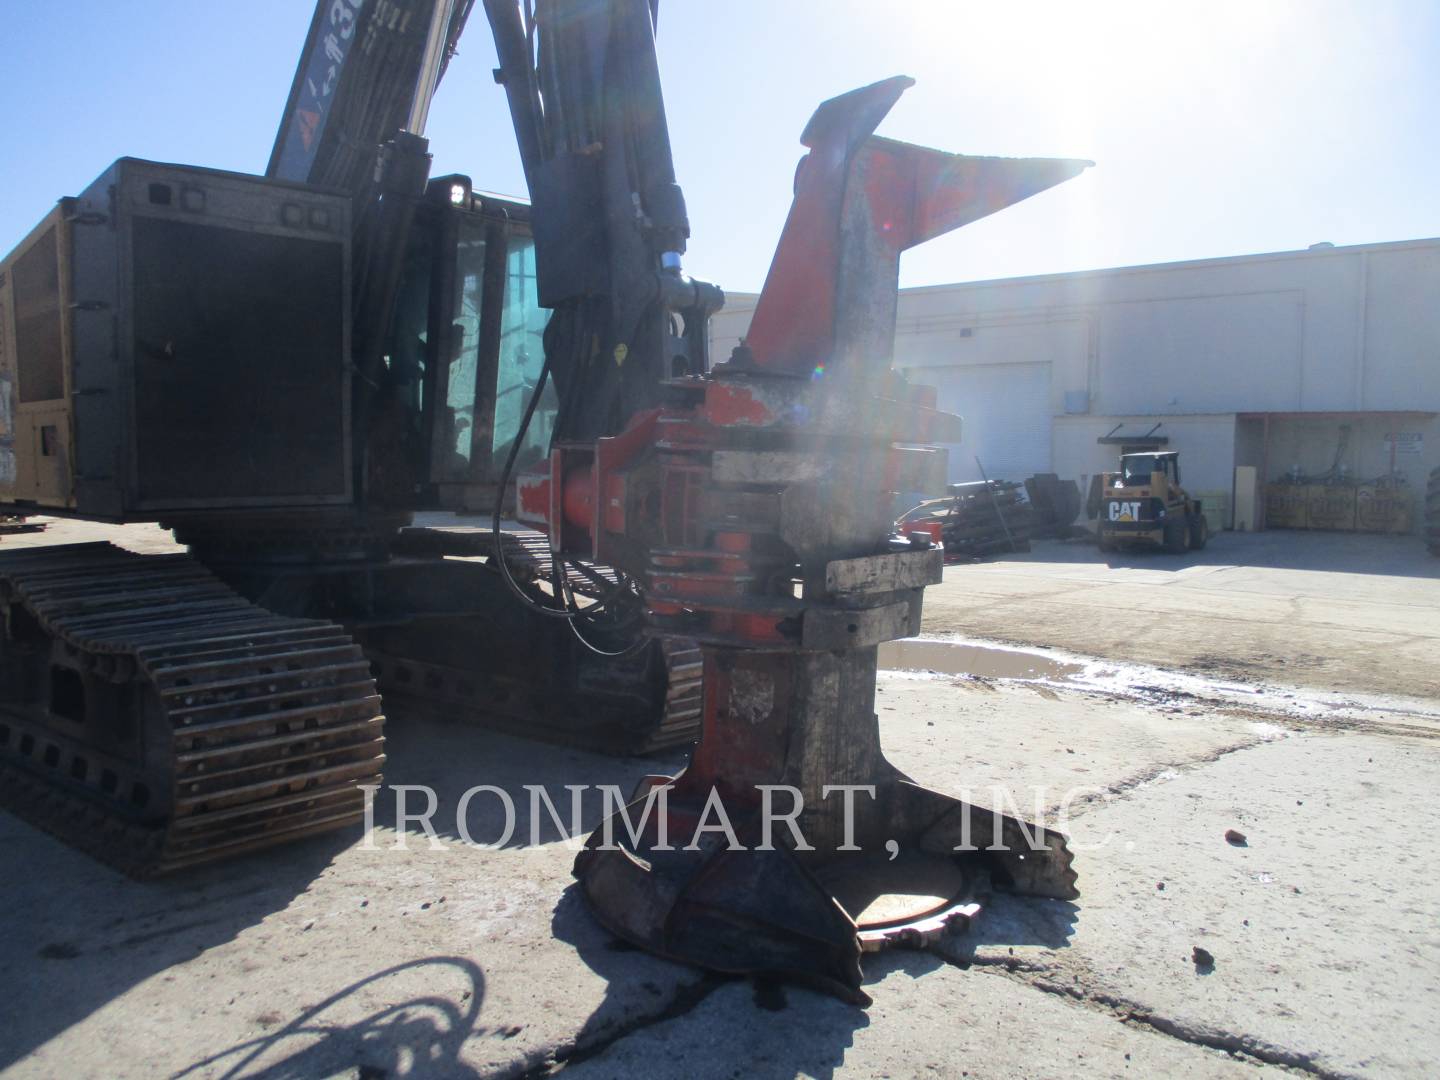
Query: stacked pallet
{"type": "Point", "coordinates": [1382, 505]}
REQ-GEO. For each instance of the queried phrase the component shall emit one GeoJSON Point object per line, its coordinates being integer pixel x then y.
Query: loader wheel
{"type": "Point", "coordinates": [1199, 533]}
{"type": "Point", "coordinates": [1177, 538]}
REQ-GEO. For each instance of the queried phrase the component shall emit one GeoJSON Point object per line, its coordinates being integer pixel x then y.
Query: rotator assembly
{"type": "Point", "coordinates": [754, 509]}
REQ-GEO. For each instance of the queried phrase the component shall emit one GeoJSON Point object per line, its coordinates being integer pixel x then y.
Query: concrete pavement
{"type": "Point", "coordinates": [1334, 611]}
{"type": "Point", "coordinates": [327, 958]}
{"type": "Point", "coordinates": [331, 958]}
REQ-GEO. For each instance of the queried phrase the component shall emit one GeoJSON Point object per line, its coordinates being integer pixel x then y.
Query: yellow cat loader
{"type": "Point", "coordinates": [1144, 505]}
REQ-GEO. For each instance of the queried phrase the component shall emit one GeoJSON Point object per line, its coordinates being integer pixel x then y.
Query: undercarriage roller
{"type": "Point", "coordinates": [157, 720]}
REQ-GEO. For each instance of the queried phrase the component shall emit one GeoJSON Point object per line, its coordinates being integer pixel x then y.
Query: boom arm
{"type": "Point", "coordinates": [355, 121]}
{"type": "Point", "coordinates": [365, 66]}
{"type": "Point", "coordinates": [610, 225]}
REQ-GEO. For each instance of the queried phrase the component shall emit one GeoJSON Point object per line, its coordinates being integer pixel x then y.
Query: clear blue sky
{"type": "Point", "coordinates": [1219, 128]}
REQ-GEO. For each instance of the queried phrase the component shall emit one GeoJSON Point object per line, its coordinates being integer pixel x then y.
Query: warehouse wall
{"type": "Point", "coordinates": [1206, 445]}
{"type": "Point", "coordinates": [1361, 443]}
{"type": "Point", "coordinates": [1323, 330]}
{"type": "Point", "coordinates": [1399, 367]}
{"type": "Point", "coordinates": [1330, 329]}
{"type": "Point", "coordinates": [1191, 354]}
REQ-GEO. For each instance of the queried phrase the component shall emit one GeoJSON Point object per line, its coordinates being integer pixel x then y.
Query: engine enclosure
{"type": "Point", "coordinates": [177, 338]}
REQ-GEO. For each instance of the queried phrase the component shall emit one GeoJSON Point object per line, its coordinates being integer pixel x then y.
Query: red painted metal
{"type": "Point", "coordinates": [612, 512]}
{"type": "Point", "coordinates": [532, 498]}
{"type": "Point", "coordinates": [578, 500]}
{"type": "Point", "coordinates": [917, 193]}
{"type": "Point", "coordinates": [732, 542]}
{"type": "Point", "coordinates": [792, 326]}
{"type": "Point", "coordinates": [913, 194]}
{"type": "Point", "coordinates": [612, 456]}
{"type": "Point", "coordinates": [737, 404]}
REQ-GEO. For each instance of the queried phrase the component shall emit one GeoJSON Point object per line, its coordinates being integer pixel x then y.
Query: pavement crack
{"type": "Point", "coordinates": [1044, 977]}
{"type": "Point", "coordinates": [1123, 787]}
{"type": "Point", "coordinates": [1244, 1046]}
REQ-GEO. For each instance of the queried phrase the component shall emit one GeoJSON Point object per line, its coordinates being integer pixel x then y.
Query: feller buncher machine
{"type": "Point", "coordinates": [283, 369]}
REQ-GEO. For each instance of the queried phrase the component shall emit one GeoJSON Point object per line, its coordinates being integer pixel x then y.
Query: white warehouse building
{"type": "Point", "coordinates": [1322, 362]}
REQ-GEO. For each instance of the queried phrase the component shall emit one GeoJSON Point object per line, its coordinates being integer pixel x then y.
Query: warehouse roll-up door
{"type": "Point", "coordinates": [1006, 408]}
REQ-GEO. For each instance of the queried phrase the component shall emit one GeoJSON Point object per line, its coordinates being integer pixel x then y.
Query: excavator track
{"type": "Point", "coordinates": [514, 707]}
{"type": "Point", "coordinates": [518, 706]}
{"type": "Point", "coordinates": [157, 720]}
{"type": "Point", "coordinates": [684, 698]}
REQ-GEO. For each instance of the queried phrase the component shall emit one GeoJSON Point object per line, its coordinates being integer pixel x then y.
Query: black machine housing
{"type": "Point", "coordinates": [186, 333]}
{"type": "Point", "coordinates": [202, 319]}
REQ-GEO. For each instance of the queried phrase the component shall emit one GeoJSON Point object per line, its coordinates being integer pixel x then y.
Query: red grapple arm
{"type": "Point", "coordinates": [860, 200]}
{"type": "Point", "coordinates": [755, 510]}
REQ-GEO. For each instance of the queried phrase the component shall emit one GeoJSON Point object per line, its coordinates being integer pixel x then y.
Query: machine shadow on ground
{"type": "Point", "coordinates": [1347, 553]}
{"type": "Point", "coordinates": [414, 1036]}
{"type": "Point", "coordinates": [452, 758]}
{"type": "Point", "coordinates": [815, 1048]}
{"type": "Point", "coordinates": [94, 934]}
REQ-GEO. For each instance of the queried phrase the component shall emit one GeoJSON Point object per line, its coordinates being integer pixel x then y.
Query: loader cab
{"type": "Point", "coordinates": [1140, 470]}
{"type": "Point", "coordinates": [465, 348]}
{"type": "Point", "coordinates": [1146, 506]}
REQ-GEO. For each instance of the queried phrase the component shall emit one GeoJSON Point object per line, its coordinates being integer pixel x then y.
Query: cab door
{"type": "Point", "coordinates": [469, 332]}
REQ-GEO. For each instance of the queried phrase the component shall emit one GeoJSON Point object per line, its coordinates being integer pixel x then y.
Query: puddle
{"type": "Point", "coordinates": [962, 658]}
{"type": "Point", "coordinates": [926, 658]}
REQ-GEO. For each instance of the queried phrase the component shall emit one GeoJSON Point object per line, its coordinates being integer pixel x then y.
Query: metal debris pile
{"type": "Point", "coordinates": [988, 517]}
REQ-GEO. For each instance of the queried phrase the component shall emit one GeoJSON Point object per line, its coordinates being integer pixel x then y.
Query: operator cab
{"type": "Point", "coordinates": [1137, 470]}
{"type": "Point", "coordinates": [465, 348]}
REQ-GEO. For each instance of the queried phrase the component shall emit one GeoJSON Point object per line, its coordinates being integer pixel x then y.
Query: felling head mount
{"type": "Point", "coordinates": [718, 506]}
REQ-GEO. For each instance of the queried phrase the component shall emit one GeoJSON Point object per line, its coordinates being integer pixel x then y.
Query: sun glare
{"type": "Point", "coordinates": [1081, 59]}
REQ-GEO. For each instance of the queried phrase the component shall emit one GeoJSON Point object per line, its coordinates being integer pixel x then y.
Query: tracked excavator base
{"type": "Point", "coordinates": [501, 668]}
{"type": "Point", "coordinates": [446, 638]}
{"type": "Point", "coordinates": [157, 720]}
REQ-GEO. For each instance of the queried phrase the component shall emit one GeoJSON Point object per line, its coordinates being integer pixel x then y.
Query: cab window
{"type": "Point", "coordinates": [1135, 471]}
{"type": "Point", "coordinates": [460, 355]}
{"type": "Point", "coordinates": [521, 355]}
